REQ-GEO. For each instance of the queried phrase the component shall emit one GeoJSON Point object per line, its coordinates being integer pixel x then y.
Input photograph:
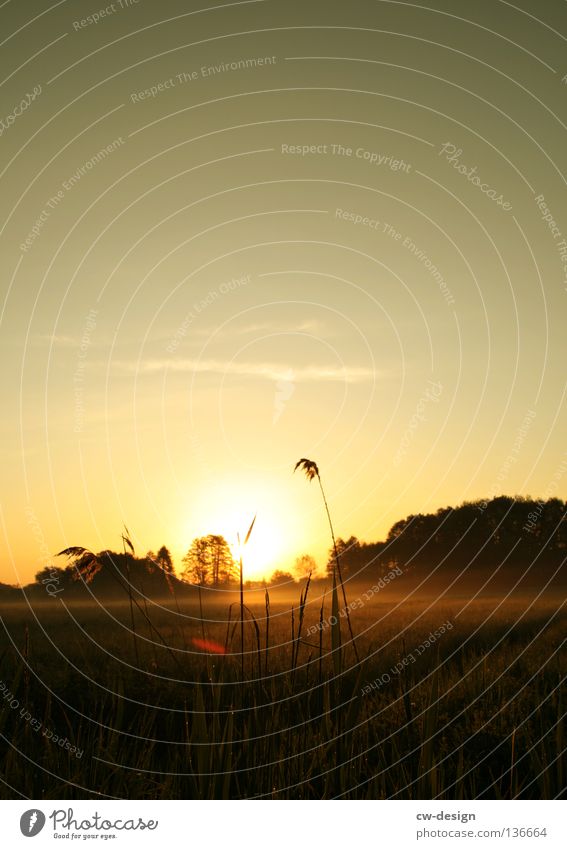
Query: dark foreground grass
{"type": "Point", "coordinates": [478, 713]}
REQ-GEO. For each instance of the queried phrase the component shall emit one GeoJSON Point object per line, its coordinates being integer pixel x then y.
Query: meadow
{"type": "Point", "coordinates": [453, 699]}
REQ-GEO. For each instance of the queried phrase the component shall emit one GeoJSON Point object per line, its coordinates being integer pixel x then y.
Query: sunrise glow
{"type": "Point", "coordinates": [229, 509]}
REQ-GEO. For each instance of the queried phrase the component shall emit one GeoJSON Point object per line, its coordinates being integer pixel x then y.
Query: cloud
{"type": "Point", "coordinates": [268, 371]}
{"type": "Point", "coordinates": [57, 340]}
{"type": "Point", "coordinates": [314, 327]}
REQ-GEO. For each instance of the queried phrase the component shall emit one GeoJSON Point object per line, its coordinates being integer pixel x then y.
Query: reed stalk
{"type": "Point", "coordinates": [312, 471]}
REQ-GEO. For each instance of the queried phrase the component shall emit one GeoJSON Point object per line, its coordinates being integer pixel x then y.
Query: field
{"type": "Point", "coordinates": [455, 699]}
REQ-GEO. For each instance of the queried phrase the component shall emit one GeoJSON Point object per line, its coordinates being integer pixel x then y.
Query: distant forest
{"type": "Point", "coordinates": [482, 533]}
{"type": "Point", "coordinates": [475, 535]}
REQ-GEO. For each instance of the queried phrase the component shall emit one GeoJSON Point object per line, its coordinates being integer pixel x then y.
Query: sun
{"type": "Point", "coordinates": [229, 510]}
{"type": "Point", "coordinates": [262, 553]}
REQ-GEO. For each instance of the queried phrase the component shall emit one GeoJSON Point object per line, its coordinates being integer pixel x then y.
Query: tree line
{"type": "Point", "coordinates": [484, 532]}
{"type": "Point", "coordinates": [516, 529]}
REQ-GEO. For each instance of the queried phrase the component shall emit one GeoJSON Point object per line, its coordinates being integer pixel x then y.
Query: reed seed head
{"type": "Point", "coordinates": [309, 467]}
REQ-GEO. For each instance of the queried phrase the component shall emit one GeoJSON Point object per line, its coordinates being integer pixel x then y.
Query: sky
{"type": "Point", "coordinates": [240, 235]}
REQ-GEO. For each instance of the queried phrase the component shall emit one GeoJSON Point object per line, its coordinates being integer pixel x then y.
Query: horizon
{"type": "Point", "coordinates": [255, 575]}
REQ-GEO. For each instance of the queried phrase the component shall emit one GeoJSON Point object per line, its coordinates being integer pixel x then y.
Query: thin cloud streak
{"type": "Point", "coordinates": [268, 371]}
{"type": "Point", "coordinates": [311, 327]}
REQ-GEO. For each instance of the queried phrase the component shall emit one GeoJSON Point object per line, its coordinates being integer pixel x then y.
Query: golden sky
{"type": "Point", "coordinates": [238, 235]}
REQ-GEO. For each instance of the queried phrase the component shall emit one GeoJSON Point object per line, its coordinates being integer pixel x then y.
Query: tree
{"type": "Point", "coordinates": [53, 579]}
{"type": "Point", "coordinates": [197, 562]}
{"type": "Point", "coordinates": [508, 527]}
{"type": "Point", "coordinates": [164, 560]}
{"type": "Point", "coordinates": [280, 577]}
{"type": "Point", "coordinates": [209, 560]}
{"type": "Point", "coordinates": [349, 553]}
{"type": "Point", "coordinates": [304, 566]}
{"type": "Point", "coordinates": [223, 565]}
{"type": "Point", "coordinates": [49, 573]}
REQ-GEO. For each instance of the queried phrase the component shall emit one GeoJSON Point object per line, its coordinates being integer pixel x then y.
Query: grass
{"type": "Point", "coordinates": [311, 471]}
{"type": "Point", "coordinates": [479, 714]}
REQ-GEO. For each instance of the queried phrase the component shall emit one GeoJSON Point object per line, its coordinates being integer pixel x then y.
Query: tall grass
{"type": "Point", "coordinates": [184, 723]}
{"type": "Point", "coordinates": [126, 541]}
{"type": "Point", "coordinates": [241, 587]}
{"type": "Point", "coordinates": [195, 729]}
{"type": "Point", "coordinates": [311, 470]}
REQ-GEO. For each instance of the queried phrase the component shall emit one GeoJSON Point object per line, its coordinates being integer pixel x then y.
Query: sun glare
{"type": "Point", "coordinates": [263, 550]}
{"type": "Point", "coordinates": [229, 510]}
